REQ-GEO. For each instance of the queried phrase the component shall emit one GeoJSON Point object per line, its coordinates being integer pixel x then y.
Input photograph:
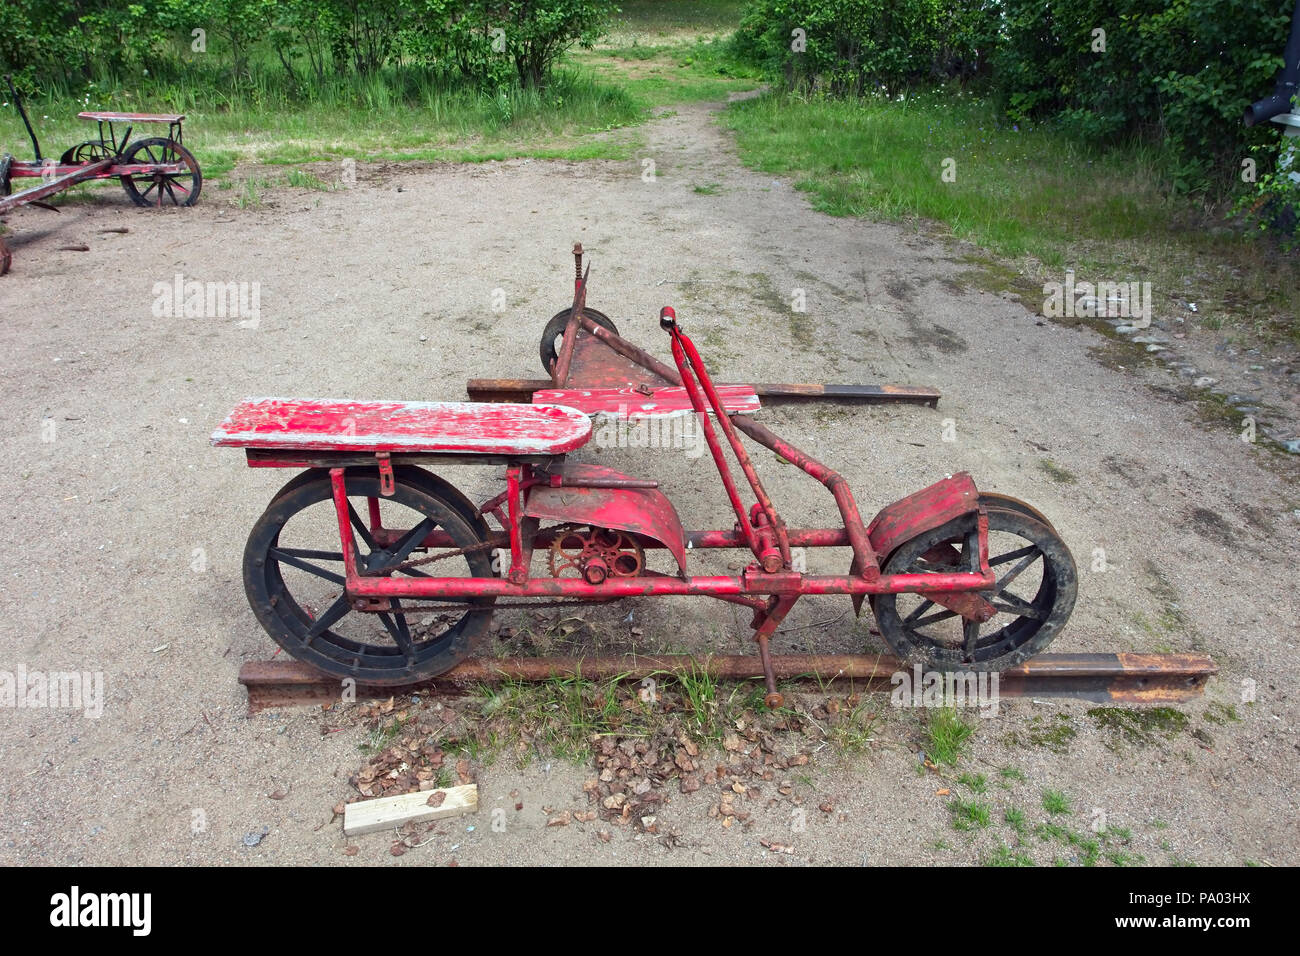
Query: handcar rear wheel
{"type": "Point", "coordinates": [294, 579]}
{"type": "Point", "coordinates": [162, 189]}
{"type": "Point", "coordinates": [1035, 592]}
{"type": "Point", "coordinates": [553, 334]}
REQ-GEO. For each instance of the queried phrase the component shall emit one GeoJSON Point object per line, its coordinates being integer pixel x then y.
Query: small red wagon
{"type": "Point", "coordinates": [371, 565]}
{"type": "Point", "coordinates": [153, 170]}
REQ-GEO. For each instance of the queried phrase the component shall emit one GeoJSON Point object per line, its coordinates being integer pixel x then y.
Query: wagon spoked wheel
{"type": "Point", "coordinates": [92, 150]}
{"type": "Point", "coordinates": [294, 578]}
{"type": "Point", "coordinates": [162, 189]}
{"type": "Point", "coordinates": [553, 334]}
{"type": "Point", "coordinates": [1035, 590]}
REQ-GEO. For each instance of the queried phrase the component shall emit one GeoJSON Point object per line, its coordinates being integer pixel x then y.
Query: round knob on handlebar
{"type": "Point", "coordinates": [667, 318]}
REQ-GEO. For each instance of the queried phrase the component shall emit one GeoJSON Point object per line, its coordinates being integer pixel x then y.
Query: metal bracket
{"type": "Point", "coordinates": [387, 483]}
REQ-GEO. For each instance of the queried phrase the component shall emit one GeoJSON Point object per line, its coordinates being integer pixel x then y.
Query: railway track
{"type": "Point", "coordinates": [1115, 678]}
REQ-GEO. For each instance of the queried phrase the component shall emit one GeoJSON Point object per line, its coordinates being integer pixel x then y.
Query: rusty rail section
{"type": "Point", "coordinates": [1106, 678]}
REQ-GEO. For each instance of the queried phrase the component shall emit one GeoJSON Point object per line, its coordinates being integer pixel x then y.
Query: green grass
{"type": "Point", "coordinates": [413, 115]}
{"type": "Point", "coordinates": [700, 692]}
{"type": "Point", "coordinates": [947, 735]}
{"type": "Point", "coordinates": [1015, 818]}
{"type": "Point", "coordinates": [667, 19]}
{"type": "Point", "coordinates": [1005, 856]}
{"type": "Point", "coordinates": [1056, 802]}
{"type": "Point", "coordinates": [970, 814]}
{"type": "Point", "coordinates": [1030, 194]}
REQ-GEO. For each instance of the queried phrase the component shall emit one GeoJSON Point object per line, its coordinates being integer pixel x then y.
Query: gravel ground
{"type": "Point", "coordinates": [386, 290]}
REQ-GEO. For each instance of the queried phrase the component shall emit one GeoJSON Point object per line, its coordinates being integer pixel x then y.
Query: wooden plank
{"type": "Point", "coordinates": [384, 813]}
{"type": "Point", "coordinates": [132, 117]}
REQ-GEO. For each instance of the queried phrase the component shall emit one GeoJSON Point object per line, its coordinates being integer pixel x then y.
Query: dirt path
{"type": "Point", "coordinates": [126, 529]}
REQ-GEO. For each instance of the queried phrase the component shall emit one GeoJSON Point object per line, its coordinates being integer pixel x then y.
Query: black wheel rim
{"type": "Point", "coordinates": [553, 334]}
{"type": "Point", "coordinates": [293, 572]}
{"type": "Point", "coordinates": [1034, 594]}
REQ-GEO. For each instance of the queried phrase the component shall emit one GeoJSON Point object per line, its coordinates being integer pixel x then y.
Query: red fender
{"type": "Point", "coordinates": [642, 511]}
{"type": "Point", "coordinates": [919, 512]}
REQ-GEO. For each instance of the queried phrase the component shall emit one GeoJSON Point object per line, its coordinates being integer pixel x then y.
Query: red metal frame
{"type": "Point", "coordinates": [601, 497]}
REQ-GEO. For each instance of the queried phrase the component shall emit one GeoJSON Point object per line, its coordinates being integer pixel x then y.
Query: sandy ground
{"type": "Point", "coordinates": [126, 529]}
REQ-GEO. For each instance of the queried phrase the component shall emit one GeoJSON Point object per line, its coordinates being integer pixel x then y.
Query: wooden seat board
{"type": "Point", "coordinates": [447, 427]}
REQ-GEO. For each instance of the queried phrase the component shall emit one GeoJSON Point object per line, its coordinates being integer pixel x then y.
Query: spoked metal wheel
{"type": "Point", "coordinates": [294, 577]}
{"type": "Point", "coordinates": [553, 334]}
{"type": "Point", "coordinates": [92, 150]}
{"type": "Point", "coordinates": [162, 189]}
{"type": "Point", "coordinates": [1035, 591]}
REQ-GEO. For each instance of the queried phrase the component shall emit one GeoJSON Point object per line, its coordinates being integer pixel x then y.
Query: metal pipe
{"type": "Point", "coordinates": [706, 586]}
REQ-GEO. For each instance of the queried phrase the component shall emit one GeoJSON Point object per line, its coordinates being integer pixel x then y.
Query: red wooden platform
{"type": "Point", "coordinates": [455, 427]}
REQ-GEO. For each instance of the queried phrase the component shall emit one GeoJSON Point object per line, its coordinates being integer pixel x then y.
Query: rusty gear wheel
{"type": "Point", "coordinates": [595, 554]}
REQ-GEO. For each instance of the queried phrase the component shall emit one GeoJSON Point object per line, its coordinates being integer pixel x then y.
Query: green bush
{"type": "Point", "coordinates": [851, 46]}
{"type": "Point", "coordinates": [489, 43]}
{"type": "Point", "coordinates": [1183, 71]}
{"type": "Point", "coordinates": [1175, 71]}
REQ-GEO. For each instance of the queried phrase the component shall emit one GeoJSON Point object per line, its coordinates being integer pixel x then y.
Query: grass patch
{"type": "Point", "coordinates": [1017, 193]}
{"type": "Point", "coordinates": [1055, 802]}
{"type": "Point", "coordinates": [1056, 472]}
{"type": "Point", "coordinates": [1015, 819]}
{"type": "Point", "coordinates": [1005, 856]}
{"type": "Point", "coordinates": [947, 735]}
{"type": "Point", "coordinates": [970, 814]}
{"type": "Point", "coordinates": [1221, 714]}
{"type": "Point", "coordinates": [305, 180]}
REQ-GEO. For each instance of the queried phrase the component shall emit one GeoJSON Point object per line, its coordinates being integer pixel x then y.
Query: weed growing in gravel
{"type": "Point", "coordinates": [1005, 856]}
{"type": "Point", "coordinates": [969, 814]}
{"type": "Point", "coordinates": [305, 180]}
{"type": "Point", "coordinates": [947, 735]}
{"type": "Point", "coordinates": [1055, 802]}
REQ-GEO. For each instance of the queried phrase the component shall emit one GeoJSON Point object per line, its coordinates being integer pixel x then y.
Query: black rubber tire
{"type": "Point", "coordinates": [160, 149]}
{"type": "Point", "coordinates": [991, 499]}
{"type": "Point", "coordinates": [555, 328]}
{"type": "Point", "coordinates": [1010, 644]}
{"type": "Point", "coordinates": [284, 619]}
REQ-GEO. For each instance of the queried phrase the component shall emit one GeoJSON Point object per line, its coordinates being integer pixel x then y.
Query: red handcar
{"type": "Point", "coordinates": [372, 565]}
